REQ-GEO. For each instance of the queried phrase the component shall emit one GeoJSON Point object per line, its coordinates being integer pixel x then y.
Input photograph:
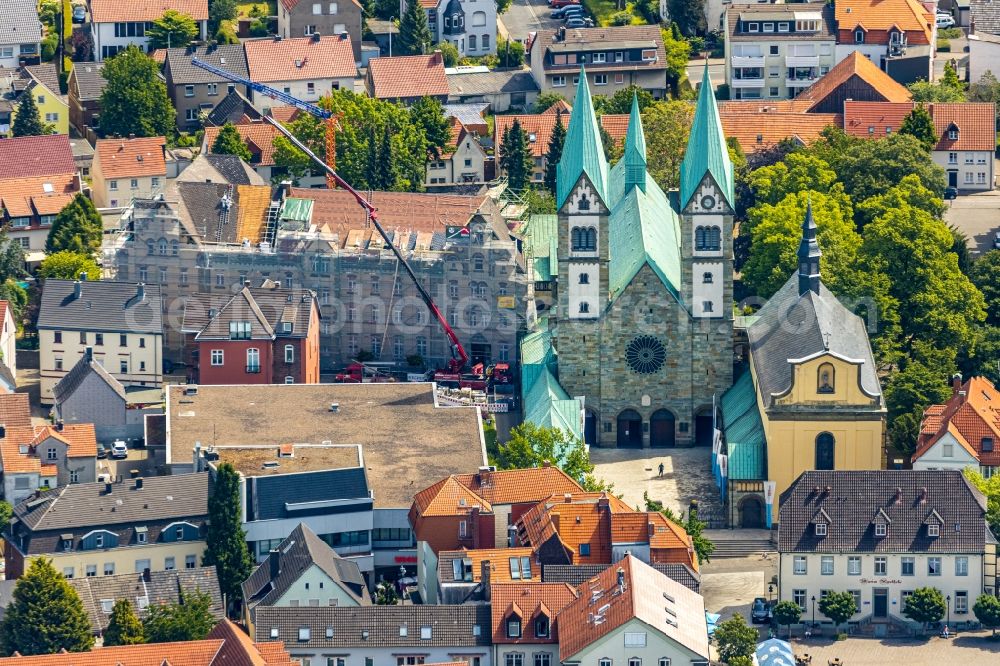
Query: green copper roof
{"type": "Point", "coordinates": [542, 236]}
{"type": "Point", "coordinates": [745, 441]}
{"type": "Point", "coordinates": [583, 152]}
{"type": "Point", "coordinates": [635, 149]}
{"type": "Point", "coordinates": [707, 151]}
{"type": "Point", "coordinates": [536, 347]}
{"type": "Point", "coordinates": [547, 404]}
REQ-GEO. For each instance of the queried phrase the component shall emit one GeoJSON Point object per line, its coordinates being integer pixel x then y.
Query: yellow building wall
{"type": "Point", "coordinates": [791, 440]}
{"type": "Point", "coordinates": [52, 104]}
{"type": "Point", "coordinates": [124, 558]}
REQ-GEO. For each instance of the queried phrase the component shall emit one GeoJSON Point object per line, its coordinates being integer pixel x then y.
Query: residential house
{"type": "Point", "coordinates": [525, 626]}
{"type": "Point", "coordinates": [408, 78]}
{"type": "Point", "coordinates": [225, 644]}
{"type": "Point", "coordinates": [221, 170]}
{"type": "Point", "coordinates": [578, 574]}
{"type": "Point", "coordinates": [503, 91]}
{"type": "Point", "coordinates": [464, 576]}
{"type": "Point", "coordinates": [90, 394]}
{"type": "Point", "coordinates": [303, 571]}
{"type": "Point", "coordinates": [145, 589]}
{"type": "Point", "coordinates": [86, 83]}
{"type": "Point", "coordinates": [262, 335]}
{"type": "Point", "coordinates": [812, 400]}
{"type": "Point", "coordinates": [401, 635]}
{"type": "Point", "coordinates": [259, 138]}
{"type": "Point", "coordinates": [472, 115]}
{"type": "Point", "coordinates": [629, 613]}
{"type": "Point", "coordinates": [116, 25]}
{"type": "Point", "coordinates": [880, 535]}
{"type": "Point", "coordinates": [46, 457]}
{"type": "Point", "coordinates": [195, 91]}
{"type": "Point", "coordinates": [983, 18]}
{"type": "Point", "coordinates": [126, 169]}
{"type": "Point", "coordinates": [963, 431]}
{"type": "Point", "coordinates": [615, 58]}
{"type": "Point", "coordinates": [322, 485]}
{"type": "Point", "coordinates": [470, 25]}
{"type": "Point", "coordinates": [898, 36]}
{"type": "Point", "coordinates": [38, 177]}
{"type": "Point", "coordinates": [401, 431]}
{"type": "Point", "coordinates": [8, 337]}
{"type": "Point", "coordinates": [462, 162]}
{"type": "Point", "coordinates": [306, 68]}
{"type": "Point", "coordinates": [760, 126]}
{"type": "Point", "coordinates": [304, 18]}
{"type": "Point", "coordinates": [155, 523]}
{"type": "Point", "coordinates": [775, 51]}
{"type": "Point", "coordinates": [42, 83]}
{"type": "Point", "coordinates": [965, 136]}
{"type": "Point", "coordinates": [235, 109]}
{"type": "Point", "coordinates": [597, 528]}
{"type": "Point", "coordinates": [20, 34]}
{"type": "Point", "coordinates": [984, 52]}
{"type": "Point", "coordinates": [854, 78]}
{"type": "Point", "coordinates": [120, 321]}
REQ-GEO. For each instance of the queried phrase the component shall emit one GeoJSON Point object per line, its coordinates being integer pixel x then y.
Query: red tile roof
{"type": "Point", "coordinates": [878, 17]}
{"type": "Point", "coordinates": [35, 156]}
{"type": "Point", "coordinates": [761, 127]}
{"type": "Point", "coordinates": [872, 119]}
{"type": "Point", "coordinates": [79, 438]}
{"type": "Point", "coordinates": [113, 11]}
{"type": "Point", "coordinates": [15, 410]}
{"type": "Point", "coordinates": [239, 650]}
{"type": "Point", "coordinates": [970, 415]}
{"type": "Point", "coordinates": [530, 601]}
{"type": "Point", "coordinates": [403, 77]}
{"type": "Point", "coordinates": [499, 559]}
{"type": "Point", "coordinates": [855, 65]}
{"type": "Point", "coordinates": [259, 137]}
{"type": "Point", "coordinates": [515, 486]}
{"type": "Point", "coordinates": [187, 653]}
{"type": "Point", "coordinates": [448, 498]}
{"type": "Point", "coordinates": [300, 58]}
{"type": "Point", "coordinates": [974, 121]}
{"type": "Point", "coordinates": [131, 158]}
{"type": "Point", "coordinates": [45, 195]}
{"type": "Point", "coordinates": [541, 125]}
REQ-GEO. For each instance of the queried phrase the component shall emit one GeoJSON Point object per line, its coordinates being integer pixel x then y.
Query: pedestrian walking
{"type": "Point", "coordinates": [661, 469]}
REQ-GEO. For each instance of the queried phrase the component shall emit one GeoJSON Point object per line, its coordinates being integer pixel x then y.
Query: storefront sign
{"type": "Point", "coordinates": [405, 559]}
{"type": "Point", "coordinates": [881, 581]}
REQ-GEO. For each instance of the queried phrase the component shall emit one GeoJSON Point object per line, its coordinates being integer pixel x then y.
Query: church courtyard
{"type": "Point", "coordinates": [687, 475]}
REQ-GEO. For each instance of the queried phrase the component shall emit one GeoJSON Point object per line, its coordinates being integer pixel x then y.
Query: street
{"type": "Point", "coordinates": [716, 69]}
{"type": "Point", "coordinates": [525, 16]}
{"type": "Point", "coordinates": [978, 216]}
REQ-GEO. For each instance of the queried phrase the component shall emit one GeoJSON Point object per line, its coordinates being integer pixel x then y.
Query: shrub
{"type": "Point", "coordinates": [621, 18]}
{"type": "Point", "coordinates": [943, 45]}
{"type": "Point", "coordinates": [258, 28]}
{"type": "Point", "coordinates": [949, 33]}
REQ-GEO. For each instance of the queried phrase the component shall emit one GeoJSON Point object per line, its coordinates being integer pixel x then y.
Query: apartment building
{"type": "Point", "coordinates": [459, 247]}
{"type": "Point", "coordinates": [899, 36]}
{"type": "Point", "coordinates": [195, 91]}
{"type": "Point", "coordinates": [471, 25]}
{"type": "Point", "coordinates": [776, 51]}
{"type": "Point", "coordinates": [121, 322]}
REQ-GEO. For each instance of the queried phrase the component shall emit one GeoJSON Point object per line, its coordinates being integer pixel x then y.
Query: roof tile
{"type": "Point", "coordinates": [300, 58]}
{"type": "Point", "coordinates": [534, 600]}
{"type": "Point", "coordinates": [130, 158]}
{"type": "Point", "coordinates": [114, 11]}
{"type": "Point", "coordinates": [855, 65]}
{"type": "Point", "coordinates": [403, 77]}
{"type": "Point", "coordinates": [35, 157]}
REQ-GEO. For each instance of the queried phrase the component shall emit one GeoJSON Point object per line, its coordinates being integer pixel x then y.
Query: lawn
{"type": "Point", "coordinates": [243, 8]}
{"type": "Point", "coordinates": [603, 10]}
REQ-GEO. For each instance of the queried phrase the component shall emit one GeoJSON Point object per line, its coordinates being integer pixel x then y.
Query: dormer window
{"type": "Point", "coordinates": [859, 36]}
{"type": "Point", "coordinates": [542, 626]}
{"type": "Point", "coordinates": [933, 530]}
{"type": "Point", "coordinates": [881, 529]}
{"type": "Point", "coordinates": [820, 529]}
{"type": "Point", "coordinates": [514, 627]}
{"type": "Point", "coordinates": [953, 133]}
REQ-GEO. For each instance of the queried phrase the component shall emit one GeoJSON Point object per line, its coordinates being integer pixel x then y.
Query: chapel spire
{"type": "Point", "coordinates": [583, 151]}
{"type": "Point", "coordinates": [707, 151]}
{"type": "Point", "coordinates": [809, 255]}
{"type": "Point", "coordinates": [635, 150]}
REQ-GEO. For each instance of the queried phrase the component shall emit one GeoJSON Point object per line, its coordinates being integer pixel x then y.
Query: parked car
{"type": "Point", "coordinates": [950, 192]}
{"type": "Point", "coordinates": [119, 449]}
{"type": "Point", "coordinates": [79, 13]}
{"type": "Point", "coordinates": [944, 21]}
{"type": "Point", "coordinates": [556, 4]}
{"type": "Point", "coordinates": [566, 10]}
{"type": "Point", "coordinates": [575, 13]}
{"type": "Point", "coordinates": [760, 611]}
{"type": "Point", "coordinates": [579, 22]}
{"type": "Point", "coordinates": [996, 241]}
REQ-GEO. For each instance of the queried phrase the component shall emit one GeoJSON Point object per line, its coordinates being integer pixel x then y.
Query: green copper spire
{"type": "Point", "coordinates": [583, 151]}
{"type": "Point", "coordinates": [707, 151]}
{"type": "Point", "coordinates": [635, 150]}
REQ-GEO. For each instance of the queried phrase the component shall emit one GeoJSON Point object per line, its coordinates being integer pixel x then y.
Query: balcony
{"type": "Point", "coordinates": [749, 83]}
{"type": "Point", "coordinates": [802, 61]}
{"type": "Point", "coordinates": [801, 82]}
{"type": "Point", "coordinates": [747, 61]}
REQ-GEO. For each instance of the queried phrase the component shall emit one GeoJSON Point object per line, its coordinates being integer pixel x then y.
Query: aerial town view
{"type": "Point", "coordinates": [499, 333]}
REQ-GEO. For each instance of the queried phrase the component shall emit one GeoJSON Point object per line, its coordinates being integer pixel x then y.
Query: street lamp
{"type": "Point", "coordinates": [814, 610]}
{"type": "Point", "coordinates": [948, 621]}
{"type": "Point", "coordinates": [770, 592]}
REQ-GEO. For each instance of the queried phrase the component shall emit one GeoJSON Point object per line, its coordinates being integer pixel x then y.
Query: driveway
{"type": "Point", "coordinates": [978, 215]}
{"type": "Point", "coordinates": [524, 16]}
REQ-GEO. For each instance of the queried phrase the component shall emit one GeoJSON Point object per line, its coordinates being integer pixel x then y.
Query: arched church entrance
{"type": "Point", "coordinates": [629, 430]}
{"type": "Point", "coordinates": [662, 431]}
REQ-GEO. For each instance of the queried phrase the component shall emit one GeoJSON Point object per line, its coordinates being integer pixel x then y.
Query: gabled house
{"type": "Point", "coordinates": [303, 571]}
{"type": "Point", "coordinates": [464, 576]}
{"type": "Point", "coordinates": [408, 78]}
{"type": "Point", "coordinates": [41, 81]}
{"type": "Point", "coordinates": [632, 606]}
{"type": "Point", "coordinates": [116, 25]}
{"type": "Point", "coordinates": [462, 162]}
{"type": "Point", "coordinates": [8, 338]}
{"type": "Point", "coordinates": [127, 169]}
{"type": "Point", "coordinates": [854, 78]}
{"type": "Point", "coordinates": [86, 83]}
{"type": "Point", "coordinates": [470, 25]}
{"type": "Point", "coordinates": [195, 91]}
{"type": "Point", "coordinates": [220, 170]}
{"type": "Point", "coordinates": [46, 457]}
{"type": "Point", "coordinates": [963, 432]}
{"type": "Point", "coordinates": [897, 36]}
{"type": "Point", "coordinates": [525, 626]}
{"type": "Point", "coordinates": [304, 18]}
{"type": "Point", "coordinates": [20, 34]}
{"type": "Point", "coordinates": [305, 67]}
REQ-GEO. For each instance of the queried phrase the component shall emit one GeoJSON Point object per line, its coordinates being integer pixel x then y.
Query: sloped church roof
{"type": "Point", "coordinates": [583, 152]}
{"type": "Point", "coordinates": [707, 151]}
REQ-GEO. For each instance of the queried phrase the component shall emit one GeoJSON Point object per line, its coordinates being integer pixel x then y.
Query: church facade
{"type": "Point", "coordinates": [643, 326]}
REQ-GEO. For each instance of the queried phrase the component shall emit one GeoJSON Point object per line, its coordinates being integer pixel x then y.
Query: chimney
{"type": "Point", "coordinates": [484, 578]}
{"type": "Point", "coordinates": [568, 498]}
{"type": "Point", "coordinates": [59, 425]}
{"type": "Point", "coordinates": [108, 487]}
{"type": "Point", "coordinates": [88, 354]}
{"type": "Point", "coordinates": [561, 34]}
{"type": "Point", "coordinates": [956, 383]}
{"type": "Point", "coordinates": [621, 580]}
{"type": "Point", "coordinates": [899, 495]}
{"type": "Point", "coordinates": [131, 136]}
{"type": "Point", "coordinates": [138, 483]}
{"type": "Point", "coordinates": [315, 37]}
{"type": "Point", "coordinates": [972, 25]}
{"type": "Point", "coordinates": [923, 495]}
{"type": "Point", "coordinates": [145, 574]}
{"type": "Point", "coordinates": [483, 478]}
{"type": "Point", "coordinates": [650, 529]}
{"type": "Point", "coordinates": [140, 291]}
{"type": "Point", "coordinates": [546, 463]}
{"type": "Point", "coordinates": [83, 276]}
{"type": "Point", "coordinates": [77, 290]}
{"type": "Point", "coordinates": [511, 529]}
{"type": "Point", "coordinates": [274, 563]}
{"type": "Point", "coordinates": [437, 57]}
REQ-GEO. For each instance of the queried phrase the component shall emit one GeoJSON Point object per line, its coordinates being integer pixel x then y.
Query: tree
{"type": "Point", "coordinates": [990, 488]}
{"type": "Point", "coordinates": [388, 170]}
{"type": "Point", "coordinates": [66, 265]}
{"type": "Point", "coordinates": [987, 610]}
{"type": "Point", "coordinates": [220, 11]}
{"type": "Point", "coordinates": [667, 126]}
{"type": "Point", "coordinates": [530, 445]}
{"type": "Point", "coordinates": [948, 89]}
{"type": "Point", "coordinates": [910, 191]}
{"type": "Point", "coordinates": [735, 638]}
{"type": "Point", "coordinates": [907, 394]}
{"type": "Point", "coordinates": [428, 116]}
{"type": "Point", "coordinates": [925, 605]}
{"type": "Point", "coordinates": [787, 613]}
{"type": "Point", "coordinates": [515, 157]}
{"type": "Point", "coordinates": [838, 606]}
{"type": "Point", "coordinates": [385, 594]}
{"type": "Point", "coordinates": [124, 628]}
{"type": "Point", "coordinates": [695, 527]}
{"type": "Point", "coordinates": [502, 6]}
{"type": "Point", "coordinates": [449, 52]}
{"type": "Point", "coordinates": [46, 615]}
{"type": "Point", "coordinates": [172, 30]}
{"type": "Point", "coordinates": [78, 228]}
{"type": "Point", "coordinates": [918, 123]}
{"type": "Point", "coordinates": [414, 33]}
{"type": "Point", "coordinates": [225, 543]}
{"type": "Point", "coordinates": [6, 511]}
{"type": "Point", "coordinates": [229, 142]}
{"type": "Point", "coordinates": [986, 89]}
{"type": "Point", "coordinates": [545, 101]}
{"type": "Point", "coordinates": [678, 52]}
{"type": "Point", "coordinates": [190, 619]}
{"type": "Point", "coordinates": [28, 121]}
{"type": "Point", "coordinates": [689, 15]}
{"type": "Point", "coordinates": [135, 101]}
{"type": "Point", "coordinates": [554, 152]}
{"type": "Point", "coordinates": [510, 53]}
{"type": "Point", "coordinates": [986, 277]}
{"type": "Point", "coordinates": [795, 173]}
{"type": "Point", "coordinates": [621, 102]}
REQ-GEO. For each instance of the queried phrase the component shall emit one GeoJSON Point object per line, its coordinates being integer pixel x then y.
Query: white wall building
{"type": "Point", "coordinates": [117, 25]}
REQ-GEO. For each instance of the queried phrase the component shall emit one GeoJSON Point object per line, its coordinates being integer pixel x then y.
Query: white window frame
{"type": "Point", "coordinates": [217, 357]}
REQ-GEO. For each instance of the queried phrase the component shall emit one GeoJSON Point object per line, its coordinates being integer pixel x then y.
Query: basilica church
{"type": "Point", "coordinates": [640, 339]}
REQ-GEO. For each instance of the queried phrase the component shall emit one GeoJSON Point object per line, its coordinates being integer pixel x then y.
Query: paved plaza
{"type": "Point", "coordinates": [687, 475]}
{"type": "Point", "coordinates": [972, 649]}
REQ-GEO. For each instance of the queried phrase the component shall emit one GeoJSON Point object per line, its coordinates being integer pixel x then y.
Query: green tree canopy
{"type": "Point", "coordinates": [948, 89]}
{"type": "Point", "coordinates": [909, 191]}
{"type": "Point", "coordinates": [621, 101]}
{"type": "Point", "coordinates": [124, 627]}
{"type": "Point", "coordinates": [190, 619]}
{"type": "Point", "coordinates": [554, 153]}
{"type": "Point", "coordinates": [799, 171]}
{"type": "Point", "coordinates": [28, 121]}
{"type": "Point", "coordinates": [787, 613]}
{"type": "Point", "coordinates": [990, 488]}
{"type": "Point", "coordinates": [515, 157]}
{"type": "Point", "coordinates": [987, 611]}
{"type": "Point", "coordinates": [77, 228]}
{"type": "Point", "coordinates": [535, 446]}
{"type": "Point", "coordinates": [735, 638]}
{"type": "Point", "coordinates": [229, 142]}
{"type": "Point", "coordinates": [414, 32]}
{"type": "Point", "coordinates": [135, 101]}
{"type": "Point", "coordinates": [67, 265]}
{"type": "Point", "coordinates": [45, 615]}
{"type": "Point", "coordinates": [667, 125]}
{"type": "Point", "coordinates": [689, 15]}
{"type": "Point", "coordinates": [925, 605]}
{"type": "Point", "coordinates": [225, 543]}
{"type": "Point", "coordinates": [695, 527]}
{"type": "Point", "coordinates": [678, 52]}
{"type": "Point", "coordinates": [986, 277]}
{"type": "Point", "coordinates": [449, 52]}
{"type": "Point", "coordinates": [918, 123]}
{"type": "Point", "coordinates": [545, 101]}
{"type": "Point", "coordinates": [838, 606]}
{"type": "Point", "coordinates": [172, 30]}
{"type": "Point", "coordinates": [907, 394]}
{"type": "Point", "coordinates": [385, 594]}
{"type": "Point", "coordinates": [220, 11]}
{"type": "Point", "coordinates": [428, 116]}
{"type": "Point", "coordinates": [510, 53]}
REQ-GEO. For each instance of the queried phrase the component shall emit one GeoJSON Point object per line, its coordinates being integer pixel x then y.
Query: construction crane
{"type": "Point", "coordinates": [330, 119]}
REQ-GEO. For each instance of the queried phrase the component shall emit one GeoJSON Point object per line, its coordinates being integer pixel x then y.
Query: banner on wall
{"type": "Point", "coordinates": [769, 488]}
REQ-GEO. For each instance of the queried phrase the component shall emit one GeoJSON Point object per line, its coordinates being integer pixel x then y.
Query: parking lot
{"type": "Point", "coordinates": [978, 215]}
{"type": "Point", "coordinates": [526, 16]}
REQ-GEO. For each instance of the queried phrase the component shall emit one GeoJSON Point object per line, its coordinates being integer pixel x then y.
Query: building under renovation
{"type": "Point", "coordinates": [213, 238]}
